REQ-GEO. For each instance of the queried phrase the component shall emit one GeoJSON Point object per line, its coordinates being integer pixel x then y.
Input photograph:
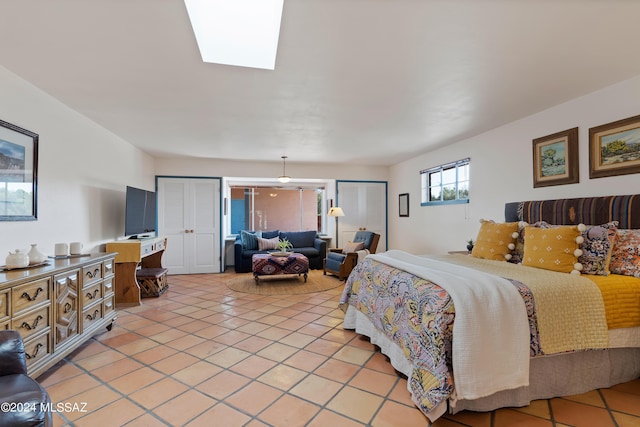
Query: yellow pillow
{"type": "Point", "coordinates": [495, 240]}
{"type": "Point", "coordinates": [553, 249]}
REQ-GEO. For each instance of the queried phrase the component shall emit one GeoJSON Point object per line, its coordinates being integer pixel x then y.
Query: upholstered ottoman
{"type": "Point", "coordinates": [270, 265]}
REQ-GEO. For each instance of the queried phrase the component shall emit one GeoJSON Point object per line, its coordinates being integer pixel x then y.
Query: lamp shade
{"type": "Point", "coordinates": [335, 211]}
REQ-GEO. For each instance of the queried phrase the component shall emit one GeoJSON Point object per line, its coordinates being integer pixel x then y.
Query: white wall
{"type": "Point", "coordinates": [295, 169]}
{"type": "Point", "coordinates": [82, 172]}
{"type": "Point", "coordinates": [502, 171]}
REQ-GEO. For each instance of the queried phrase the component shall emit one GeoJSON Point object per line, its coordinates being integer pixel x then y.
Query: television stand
{"type": "Point", "coordinates": [134, 253]}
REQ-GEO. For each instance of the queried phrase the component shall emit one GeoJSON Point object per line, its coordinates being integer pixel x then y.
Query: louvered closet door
{"type": "Point", "coordinates": [189, 216]}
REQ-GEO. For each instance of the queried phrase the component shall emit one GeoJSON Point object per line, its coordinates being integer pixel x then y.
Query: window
{"type": "Point", "coordinates": [446, 184]}
{"type": "Point", "coordinates": [276, 208]}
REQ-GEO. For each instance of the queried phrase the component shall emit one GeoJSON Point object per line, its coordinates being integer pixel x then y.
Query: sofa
{"type": "Point", "coordinates": [27, 402]}
{"type": "Point", "coordinates": [307, 243]}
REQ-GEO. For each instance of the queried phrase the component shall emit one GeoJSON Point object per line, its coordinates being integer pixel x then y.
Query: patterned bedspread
{"type": "Point", "coordinates": [418, 315]}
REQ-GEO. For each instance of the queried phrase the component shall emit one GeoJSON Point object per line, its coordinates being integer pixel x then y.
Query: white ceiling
{"type": "Point", "coordinates": [356, 81]}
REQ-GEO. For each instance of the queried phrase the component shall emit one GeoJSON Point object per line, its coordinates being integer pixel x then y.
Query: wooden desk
{"type": "Point", "coordinates": [144, 252]}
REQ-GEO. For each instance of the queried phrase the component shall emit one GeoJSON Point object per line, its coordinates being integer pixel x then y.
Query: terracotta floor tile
{"type": "Point", "coordinates": [174, 363]}
{"type": "Point", "coordinates": [117, 413]}
{"type": "Point", "coordinates": [297, 340]}
{"type": "Point", "coordinates": [289, 411]}
{"type": "Point", "coordinates": [185, 342]}
{"type": "Point", "coordinates": [198, 372]}
{"type": "Point", "coordinates": [324, 347]}
{"type": "Point", "coordinates": [469, 418]}
{"type": "Point", "coordinates": [626, 420]}
{"type": "Point", "coordinates": [305, 360]}
{"type": "Point", "coordinates": [622, 402]}
{"type": "Point", "coordinates": [509, 417]}
{"type": "Point", "coordinates": [223, 384]}
{"type": "Point", "coordinates": [400, 393]}
{"type": "Point", "coordinates": [91, 400]}
{"type": "Point", "coordinates": [353, 355]}
{"type": "Point", "coordinates": [328, 418]}
{"type": "Point", "coordinates": [373, 381]}
{"type": "Point", "coordinates": [65, 390]}
{"type": "Point", "coordinates": [282, 376]}
{"type": "Point", "coordinates": [357, 404]}
{"type": "Point", "coordinates": [277, 352]}
{"type": "Point", "coordinates": [135, 380]}
{"type": "Point", "coordinates": [223, 415]}
{"type": "Point", "coordinates": [539, 408]}
{"type": "Point", "coordinates": [253, 344]}
{"type": "Point", "coordinates": [228, 357]}
{"type": "Point", "coordinates": [153, 355]}
{"type": "Point", "coordinates": [316, 389]}
{"type": "Point", "coordinates": [578, 414]}
{"type": "Point", "coordinates": [145, 420]}
{"type": "Point", "coordinates": [105, 357]}
{"type": "Point", "coordinates": [206, 349]}
{"type": "Point", "coordinates": [61, 371]}
{"type": "Point", "coordinates": [337, 370]}
{"type": "Point", "coordinates": [158, 393]}
{"type": "Point", "coordinates": [254, 398]}
{"type": "Point", "coordinates": [116, 369]}
{"type": "Point", "coordinates": [185, 407]}
{"type": "Point", "coordinates": [253, 366]}
{"type": "Point", "coordinates": [391, 413]}
{"type": "Point", "coordinates": [273, 333]}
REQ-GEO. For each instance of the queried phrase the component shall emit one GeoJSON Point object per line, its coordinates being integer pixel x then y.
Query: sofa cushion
{"type": "Point", "coordinates": [300, 239]}
{"type": "Point", "coordinates": [265, 244]}
{"type": "Point", "coordinates": [309, 252]}
{"type": "Point", "coordinates": [270, 234]}
{"type": "Point", "coordinates": [249, 239]}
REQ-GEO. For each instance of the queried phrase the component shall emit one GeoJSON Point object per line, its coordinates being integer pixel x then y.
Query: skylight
{"type": "Point", "coordinates": [237, 32]}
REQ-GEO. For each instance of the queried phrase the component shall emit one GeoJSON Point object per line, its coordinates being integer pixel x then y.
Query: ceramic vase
{"type": "Point", "coordinates": [35, 256]}
{"type": "Point", "coordinates": [17, 259]}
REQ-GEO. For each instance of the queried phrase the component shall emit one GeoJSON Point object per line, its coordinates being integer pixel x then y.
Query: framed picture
{"type": "Point", "coordinates": [555, 159]}
{"type": "Point", "coordinates": [18, 173]}
{"type": "Point", "coordinates": [614, 148]}
{"type": "Point", "coordinates": [404, 204]}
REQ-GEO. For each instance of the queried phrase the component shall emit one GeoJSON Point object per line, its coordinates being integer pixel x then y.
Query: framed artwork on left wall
{"type": "Point", "coordinates": [18, 173]}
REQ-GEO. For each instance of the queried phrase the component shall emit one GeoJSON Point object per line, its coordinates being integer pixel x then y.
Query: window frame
{"type": "Point", "coordinates": [426, 188]}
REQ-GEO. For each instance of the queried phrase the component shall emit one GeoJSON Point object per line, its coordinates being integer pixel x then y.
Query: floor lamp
{"type": "Point", "coordinates": [336, 211]}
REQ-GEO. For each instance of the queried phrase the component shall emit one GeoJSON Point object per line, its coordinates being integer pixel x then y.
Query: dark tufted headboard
{"type": "Point", "coordinates": [586, 210]}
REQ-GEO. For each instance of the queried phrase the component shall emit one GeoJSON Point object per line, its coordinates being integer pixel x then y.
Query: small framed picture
{"type": "Point", "coordinates": [555, 159]}
{"type": "Point", "coordinates": [18, 173]}
{"type": "Point", "coordinates": [614, 148]}
{"type": "Point", "coordinates": [403, 200]}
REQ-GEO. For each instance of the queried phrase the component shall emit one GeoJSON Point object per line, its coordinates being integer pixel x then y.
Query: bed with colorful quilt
{"type": "Point", "coordinates": [543, 307]}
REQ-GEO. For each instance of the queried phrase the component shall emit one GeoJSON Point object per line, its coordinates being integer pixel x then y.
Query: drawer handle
{"type": "Point", "coordinates": [109, 304]}
{"type": "Point", "coordinates": [35, 323]}
{"type": "Point", "coordinates": [95, 315]}
{"type": "Point", "coordinates": [35, 353]}
{"type": "Point", "coordinates": [34, 297]}
{"type": "Point", "coordinates": [95, 273]}
{"type": "Point", "coordinates": [67, 307]}
{"type": "Point", "coordinates": [95, 294]}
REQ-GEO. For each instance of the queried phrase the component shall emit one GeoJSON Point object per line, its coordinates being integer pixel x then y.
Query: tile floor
{"type": "Point", "coordinates": [203, 355]}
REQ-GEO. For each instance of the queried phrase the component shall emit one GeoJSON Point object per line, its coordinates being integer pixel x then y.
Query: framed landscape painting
{"type": "Point", "coordinates": [18, 173]}
{"type": "Point", "coordinates": [614, 148]}
{"type": "Point", "coordinates": [555, 159]}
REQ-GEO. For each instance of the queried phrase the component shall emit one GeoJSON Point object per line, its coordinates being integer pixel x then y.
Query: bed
{"type": "Point", "coordinates": [472, 333]}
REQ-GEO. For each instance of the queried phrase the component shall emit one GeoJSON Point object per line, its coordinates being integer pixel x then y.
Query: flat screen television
{"type": "Point", "coordinates": [140, 213]}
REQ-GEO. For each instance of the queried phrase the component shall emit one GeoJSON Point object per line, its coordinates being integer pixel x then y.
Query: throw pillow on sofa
{"type": "Point", "coordinates": [267, 244]}
{"type": "Point", "coordinates": [300, 239]}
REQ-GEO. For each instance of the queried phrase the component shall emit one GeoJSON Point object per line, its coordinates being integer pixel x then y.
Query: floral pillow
{"type": "Point", "coordinates": [597, 248]}
{"type": "Point", "coordinates": [625, 257]}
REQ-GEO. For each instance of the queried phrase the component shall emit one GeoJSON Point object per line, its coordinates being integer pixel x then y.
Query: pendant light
{"type": "Point", "coordinates": [284, 177]}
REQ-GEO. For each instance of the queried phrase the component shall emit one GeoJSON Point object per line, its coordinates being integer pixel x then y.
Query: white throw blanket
{"type": "Point", "coordinates": [490, 332]}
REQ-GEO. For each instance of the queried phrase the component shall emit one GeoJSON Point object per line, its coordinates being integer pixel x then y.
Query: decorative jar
{"type": "Point", "coordinates": [35, 256]}
{"type": "Point", "coordinates": [17, 259]}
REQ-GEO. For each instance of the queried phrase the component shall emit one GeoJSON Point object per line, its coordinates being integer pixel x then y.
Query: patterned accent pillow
{"type": "Point", "coordinates": [554, 249]}
{"type": "Point", "coordinates": [625, 257]}
{"type": "Point", "coordinates": [518, 251]}
{"type": "Point", "coordinates": [495, 240]}
{"type": "Point", "coordinates": [266, 244]}
{"type": "Point", "coordinates": [249, 240]}
{"type": "Point", "coordinates": [352, 247]}
{"type": "Point", "coordinates": [597, 248]}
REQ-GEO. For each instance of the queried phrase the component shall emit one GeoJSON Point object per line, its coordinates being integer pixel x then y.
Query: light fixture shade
{"type": "Point", "coordinates": [335, 211]}
{"type": "Point", "coordinates": [284, 177]}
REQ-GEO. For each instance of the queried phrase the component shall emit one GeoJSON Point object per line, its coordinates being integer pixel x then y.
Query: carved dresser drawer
{"type": "Point", "coordinates": [4, 306]}
{"type": "Point", "coordinates": [33, 322]}
{"type": "Point", "coordinates": [91, 315]}
{"type": "Point", "coordinates": [91, 273]}
{"type": "Point", "coordinates": [37, 350]}
{"type": "Point", "coordinates": [29, 295]}
{"type": "Point", "coordinates": [91, 293]}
